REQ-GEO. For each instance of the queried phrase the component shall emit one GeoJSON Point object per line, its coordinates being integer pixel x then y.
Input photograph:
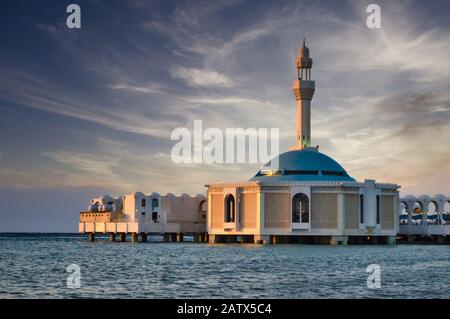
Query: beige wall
{"type": "Point", "coordinates": [323, 211]}
{"type": "Point", "coordinates": [277, 210]}
{"type": "Point", "coordinates": [181, 209]}
{"type": "Point", "coordinates": [129, 206]}
{"type": "Point", "coordinates": [276, 207]}
{"type": "Point", "coordinates": [217, 217]}
{"type": "Point", "coordinates": [99, 217]}
{"type": "Point", "coordinates": [351, 211]}
{"type": "Point", "coordinates": [387, 213]}
{"type": "Point", "coordinates": [247, 210]}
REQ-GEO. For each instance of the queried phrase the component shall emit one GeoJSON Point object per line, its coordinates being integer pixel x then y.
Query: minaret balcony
{"type": "Point", "coordinates": [304, 89]}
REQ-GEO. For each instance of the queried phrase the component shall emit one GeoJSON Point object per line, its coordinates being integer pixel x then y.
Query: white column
{"type": "Point", "coordinates": [409, 210]}
{"type": "Point", "coordinates": [260, 213]}
{"type": "Point", "coordinates": [424, 221]}
{"type": "Point", "coordinates": [341, 212]}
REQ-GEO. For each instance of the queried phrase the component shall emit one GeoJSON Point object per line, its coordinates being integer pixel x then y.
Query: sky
{"type": "Point", "coordinates": [90, 111]}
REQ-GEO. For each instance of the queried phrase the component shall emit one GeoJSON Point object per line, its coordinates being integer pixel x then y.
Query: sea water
{"type": "Point", "coordinates": [36, 266]}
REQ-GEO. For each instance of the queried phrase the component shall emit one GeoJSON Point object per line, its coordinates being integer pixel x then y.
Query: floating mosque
{"type": "Point", "coordinates": [303, 195]}
{"type": "Point", "coordinates": [300, 196]}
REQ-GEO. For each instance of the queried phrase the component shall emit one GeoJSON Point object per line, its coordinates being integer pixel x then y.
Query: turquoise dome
{"type": "Point", "coordinates": [303, 165]}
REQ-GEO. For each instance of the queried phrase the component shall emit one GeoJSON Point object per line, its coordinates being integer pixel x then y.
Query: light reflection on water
{"type": "Point", "coordinates": [34, 266]}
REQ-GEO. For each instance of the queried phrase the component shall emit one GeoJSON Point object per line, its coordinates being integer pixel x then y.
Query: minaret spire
{"type": "Point", "coordinates": [303, 91]}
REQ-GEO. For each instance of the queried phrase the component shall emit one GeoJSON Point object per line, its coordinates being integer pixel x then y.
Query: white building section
{"type": "Point", "coordinates": [424, 216]}
{"type": "Point", "coordinates": [140, 213]}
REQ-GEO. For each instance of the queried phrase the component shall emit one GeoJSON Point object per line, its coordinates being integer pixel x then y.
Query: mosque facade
{"type": "Point", "coordinates": [303, 195]}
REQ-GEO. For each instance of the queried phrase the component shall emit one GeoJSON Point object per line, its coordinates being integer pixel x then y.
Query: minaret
{"type": "Point", "coordinates": [303, 92]}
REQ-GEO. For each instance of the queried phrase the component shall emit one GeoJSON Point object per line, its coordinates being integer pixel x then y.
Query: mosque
{"type": "Point", "coordinates": [300, 196]}
{"type": "Point", "coordinates": [303, 195]}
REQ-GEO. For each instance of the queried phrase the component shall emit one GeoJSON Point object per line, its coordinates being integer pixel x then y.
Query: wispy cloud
{"type": "Point", "coordinates": [198, 77]}
{"type": "Point", "coordinates": [152, 88]}
{"type": "Point", "coordinates": [42, 95]}
{"type": "Point", "coordinates": [109, 166]}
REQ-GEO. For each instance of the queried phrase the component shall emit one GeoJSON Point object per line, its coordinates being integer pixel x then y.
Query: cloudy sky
{"type": "Point", "coordinates": [90, 111]}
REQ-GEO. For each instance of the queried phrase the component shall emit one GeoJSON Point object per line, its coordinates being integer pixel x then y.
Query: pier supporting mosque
{"type": "Point", "coordinates": [112, 236]}
{"type": "Point", "coordinates": [166, 237]}
{"type": "Point", "coordinates": [134, 237]}
{"type": "Point", "coordinates": [391, 240]}
{"type": "Point", "coordinates": [339, 240]}
{"type": "Point", "coordinates": [214, 239]}
{"type": "Point", "coordinates": [144, 237]}
{"type": "Point", "coordinates": [180, 237]}
{"type": "Point", "coordinates": [91, 236]}
{"type": "Point", "coordinates": [246, 239]}
{"type": "Point", "coordinates": [197, 238]}
{"type": "Point", "coordinates": [261, 239]}
{"type": "Point", "coordinates": [122, 237]}
{"type": "Point", "coordinates": [204, 237]}
{"type": "Point", "coordinates": [276, 240]}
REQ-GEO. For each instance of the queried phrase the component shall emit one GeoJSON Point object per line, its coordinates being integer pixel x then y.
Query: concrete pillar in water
{"type": "Point", "coordinates": [122, 237]}
{"type": "Point", "coordinates": [91, 236]}
{"type": "Point", "coordinates": [173, 237]}
{"type": "Point", "coordinates": [214, 239]}
{"type": "Point", "coordinates": [279, 240]}
{"type": "Point", "coordinates": [339, 240]}
{"type": "Point", "coordinates": [180, 237]}
{"type": "Point", "coordinates": [261, 239]}
{"type": "Point", "coordinates": [166, 237]}
{"type": "Point", "coordinates": [391, 240]}
{"type": "Point", "coordinates": [134, 237]}
{"type": "Point", "coordinates": [197, 238]}
{"type": "Point", "coordinates": [112, 237]}
{"type": "Point", "coordinates": [143, 237]}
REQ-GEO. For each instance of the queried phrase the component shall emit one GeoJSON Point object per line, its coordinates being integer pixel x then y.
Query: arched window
{"type": "Point", "coordinates": [361, 208]}
{"type": "Point", "coordinates": [300, 208]}
{"type": "Point", "coordinates": [143, 202]}
{"type": "Point", "coordinates": [229, 209]}
{"type": "Point", "coordinates": [203, 206]}
{"type": "Point", "coordinates": [378, 209]}
{"type": "Point", "coordinates": [154, 203]}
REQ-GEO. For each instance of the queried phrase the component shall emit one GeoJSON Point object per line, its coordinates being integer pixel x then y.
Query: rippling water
{"type": "Point", "coordinates": [34, 266]}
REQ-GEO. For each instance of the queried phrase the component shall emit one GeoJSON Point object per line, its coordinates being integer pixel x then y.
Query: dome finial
{"type": "Point", "coordinates": [304, 42]}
